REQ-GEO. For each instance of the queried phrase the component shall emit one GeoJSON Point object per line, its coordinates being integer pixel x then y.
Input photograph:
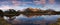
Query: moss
{"type": "Point", "coordinates": [3, 22]}
{"type": "Point", "coordinates": [57, 22]}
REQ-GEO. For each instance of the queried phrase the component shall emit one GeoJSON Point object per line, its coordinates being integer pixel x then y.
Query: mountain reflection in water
{"type": "Point", "coordinates": [33, 19]}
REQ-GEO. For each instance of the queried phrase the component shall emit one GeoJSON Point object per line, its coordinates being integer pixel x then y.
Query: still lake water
{"type": "Point", "coordinates": [33, 20]}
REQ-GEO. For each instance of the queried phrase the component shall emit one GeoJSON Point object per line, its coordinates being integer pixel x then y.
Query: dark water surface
{"type": "Point", "coordinates": [33, 20]}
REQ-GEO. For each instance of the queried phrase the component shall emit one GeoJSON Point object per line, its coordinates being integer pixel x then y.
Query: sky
{"type": "Point", "coordinates": [23, 4]}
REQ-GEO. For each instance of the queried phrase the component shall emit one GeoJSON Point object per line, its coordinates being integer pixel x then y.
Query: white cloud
{"type": "Point", "coordinates": [51, 1]}
{"type": "Point", "coordinates": [36, 2]}
{"type": "Point", "coordinates": [5, 7]}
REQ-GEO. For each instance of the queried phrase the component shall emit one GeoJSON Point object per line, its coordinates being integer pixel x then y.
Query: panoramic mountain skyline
{"type": "Point", "coordinates": [23, 4]}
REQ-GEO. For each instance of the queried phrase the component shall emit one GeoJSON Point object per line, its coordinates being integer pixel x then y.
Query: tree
{"type": "Point", "coordinates": [10, 13]}
{"type": "Point", "coordinates": [1, 13]}
{"type": "Point", "coordinates": [18, 13]}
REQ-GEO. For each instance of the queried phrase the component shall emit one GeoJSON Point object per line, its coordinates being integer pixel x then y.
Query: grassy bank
{"type": "Point", "coordinates": [3, 22]}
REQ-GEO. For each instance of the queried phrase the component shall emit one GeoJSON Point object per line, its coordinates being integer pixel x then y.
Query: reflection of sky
{"type": "Point", "coordinates": [52, 17]}
{"type": "Point", "coordinates": [21, 4]}
{"type": "Point", "coordinates": [39, 18]}
{"type": "Point", "coordinates": [24, 19]}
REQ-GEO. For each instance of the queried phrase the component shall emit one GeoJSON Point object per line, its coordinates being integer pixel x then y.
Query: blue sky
{"type": "Point", "coordinates": [23, 4]}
